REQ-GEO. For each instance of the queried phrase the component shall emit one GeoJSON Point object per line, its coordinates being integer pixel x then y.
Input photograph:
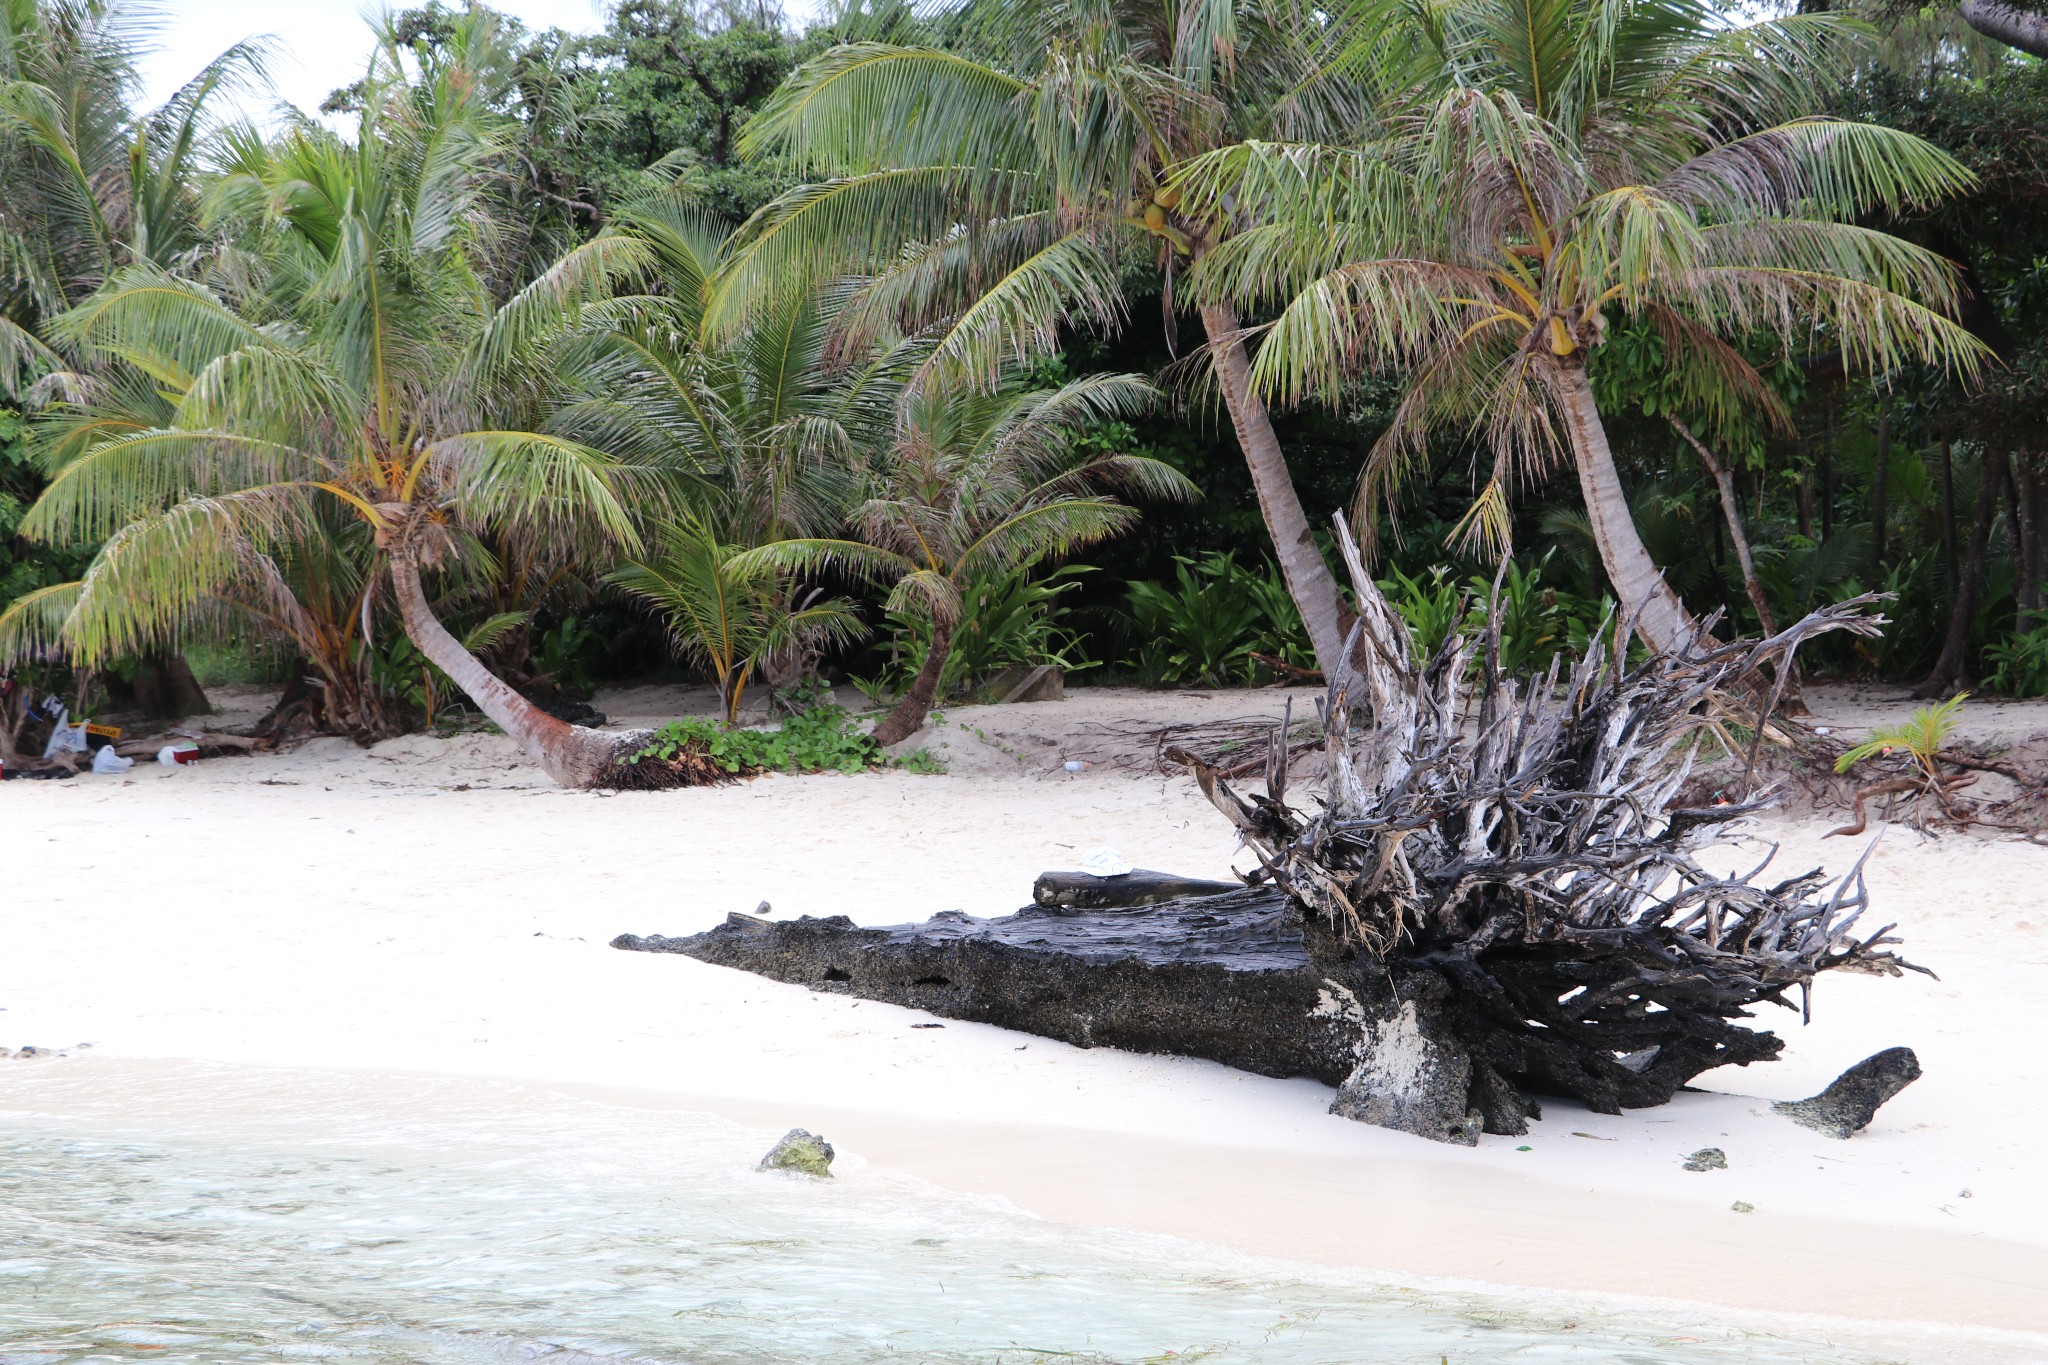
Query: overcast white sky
{"type": "Point", "coordinates": [321, 43]}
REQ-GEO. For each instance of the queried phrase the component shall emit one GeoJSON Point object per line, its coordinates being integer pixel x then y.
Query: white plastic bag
{"type": "Point", "coordinates": [107, 761]}
{"type": "Point", "coordinates": [65, 738]}
{"type": "Point", "coordinates": [1104, 862]}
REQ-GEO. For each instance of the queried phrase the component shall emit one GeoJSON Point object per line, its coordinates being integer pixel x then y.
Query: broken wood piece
{"type": "Point", "coordinates": [1139, 886]}
{"type": "Point", "coordinates": [1846, 1107]}
{"type": "Point", "coordinates": [1044, 682]}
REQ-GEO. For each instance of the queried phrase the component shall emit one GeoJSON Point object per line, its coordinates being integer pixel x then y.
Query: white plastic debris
{"type": "Point", "coordinates": [1104, 862]}
{"type": "Point", "coordinates": [107, 761]}
{"type": "Point", "coordinates": [65, 738]}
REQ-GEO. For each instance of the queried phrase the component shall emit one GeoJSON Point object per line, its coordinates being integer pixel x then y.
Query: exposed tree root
{"type": "Point", "coordinates": [689, 768]}
{"type": "Point", "coordinates": [1507, 855]}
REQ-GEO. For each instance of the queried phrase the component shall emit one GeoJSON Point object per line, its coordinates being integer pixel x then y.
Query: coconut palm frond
{"type": "Point", "coordinates": [32, 625]}
{"type": "Point", "coordinates": [863, 106]}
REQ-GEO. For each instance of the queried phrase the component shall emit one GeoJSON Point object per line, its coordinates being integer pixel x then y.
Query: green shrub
{"type": "Point", "coordinates": [2020, 664]}
{"type": "Point", "coordinates": [1205, 627]}
{"type": "Point", "coordinates": [1006, 621]}
{"type": "Point", "coordinates": [820, 738]}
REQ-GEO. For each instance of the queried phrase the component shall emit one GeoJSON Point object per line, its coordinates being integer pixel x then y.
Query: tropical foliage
{"type": "Point", "coordinates": [786, 355]}
{"type": "Point", "coordinates": [975, 484]}
{"type": "Point", "coordinates": [1535, 173]}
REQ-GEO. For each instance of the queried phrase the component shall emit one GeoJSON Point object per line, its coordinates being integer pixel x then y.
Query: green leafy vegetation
{"type": "Point", "coordinates": [821, 737]}
{"type": "Point", "coordinates": [776, 354]}
{"type": "Point", "coordinates": [1920, 738]}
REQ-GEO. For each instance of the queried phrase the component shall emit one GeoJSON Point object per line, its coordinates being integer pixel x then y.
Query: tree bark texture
{"type": "Point", "coordinates": [163, 688]}
{"type": "Point", "coordinates": [1947, 672]}
{"type": "Point", "coordinates": [2016, 28]}
{"type": "Point", "coordinates": [2033, 565]}
{"type": "Point", "coordinates": [1309, 580]}
{"type": "Point", "coordinates": [1660, 618]}
{"type": "Point", "coordinates": [909, 713]}
{"type": "Point", "coordinates": [1731, 512]}
{"type": "Point", "coordinates": [571, 754]}
{"type": "Point", "coordinates": [1880, 484]}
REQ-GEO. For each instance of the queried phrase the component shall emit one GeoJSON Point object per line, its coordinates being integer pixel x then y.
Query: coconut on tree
{"type": "Point", "coordinates": [1532, 172]}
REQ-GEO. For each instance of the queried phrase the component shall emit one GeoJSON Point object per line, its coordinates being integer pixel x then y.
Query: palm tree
{"type": "Point", "coordinates": [1537, 167]}
{"type": "Point", "coordinates": [734, 621]}
{"type": "Point", "coordinates": [348, 360]}
{"type": "Point", "coordinates": [977, 483]}
{"type": "Point", "coordinates": [92, 183]}
{"type": "Point", "coordinates": [765, 424]}
{"type": "Point", "coordinates": [1011, 184]}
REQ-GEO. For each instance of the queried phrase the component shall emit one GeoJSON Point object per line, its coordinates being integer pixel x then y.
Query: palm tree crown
{"type": "Point", "coordinates": [991, 192]}
{"type": "Point", "coordinates": [976, 485]}
{"type": "Point", "coordinates": [349, 361]}
{"type": "Point", "coordinates": [1536, 169]}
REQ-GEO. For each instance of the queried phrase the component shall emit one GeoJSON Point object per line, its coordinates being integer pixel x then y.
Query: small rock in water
{"type": "Point", "coordinates": [1707, 1159]}
{"type": "Point", "coordinates": [1846, 1107]}
{"type": "Point", "coordinates": [800, 1151]}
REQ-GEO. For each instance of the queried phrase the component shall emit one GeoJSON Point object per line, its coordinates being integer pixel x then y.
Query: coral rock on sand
{"type": "Point", "coordinates": [800, 1151]}
{"type": "Point", "coordinates": [1847, 1106]}
{"type": "Point", "coordinates": [1707, 1159]}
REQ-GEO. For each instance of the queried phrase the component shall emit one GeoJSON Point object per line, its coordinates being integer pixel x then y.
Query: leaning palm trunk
{"type": "Point", "coordinates": [571, 754]}
{"type": "Point", "coordinates": [902, 722]}
{"type": "Point", "coordinates": [1309, 580]}
{"type": "Point", "coordinates": [1647, 600]}
{"type": "Point", "coordinates": [2016, 28]}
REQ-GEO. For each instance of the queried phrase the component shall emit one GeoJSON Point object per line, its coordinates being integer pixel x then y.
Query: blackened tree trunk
{"type": "Point", "coordinates": [2033, 558]}
{"type": "Point", "coordinates": [163, 688]}
{"type": "Point", "coordinates": [1948, 514]}
{"type": "Point", "coordinates": [1948, 671]}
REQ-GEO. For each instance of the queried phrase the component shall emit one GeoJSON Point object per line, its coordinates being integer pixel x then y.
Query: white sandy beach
{"type": "Point", "coordinates": [434, 906]}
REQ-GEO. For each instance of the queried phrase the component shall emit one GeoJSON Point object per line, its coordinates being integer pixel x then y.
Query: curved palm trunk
{"type": "Point", "coordinates": [1660, 618]}
{"type": "Point", "coordinates": [902, 722]}
{"type": "Point", "coordinates": [571, 754]}
{"type": "Point", "coordinates": [2014, 27]}
{"type": "Point", "coordinates": [1309, 580]}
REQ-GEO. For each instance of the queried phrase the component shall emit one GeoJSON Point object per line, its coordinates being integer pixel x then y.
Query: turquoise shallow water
{"type": "Point", "coordinates": [225, 1216]}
